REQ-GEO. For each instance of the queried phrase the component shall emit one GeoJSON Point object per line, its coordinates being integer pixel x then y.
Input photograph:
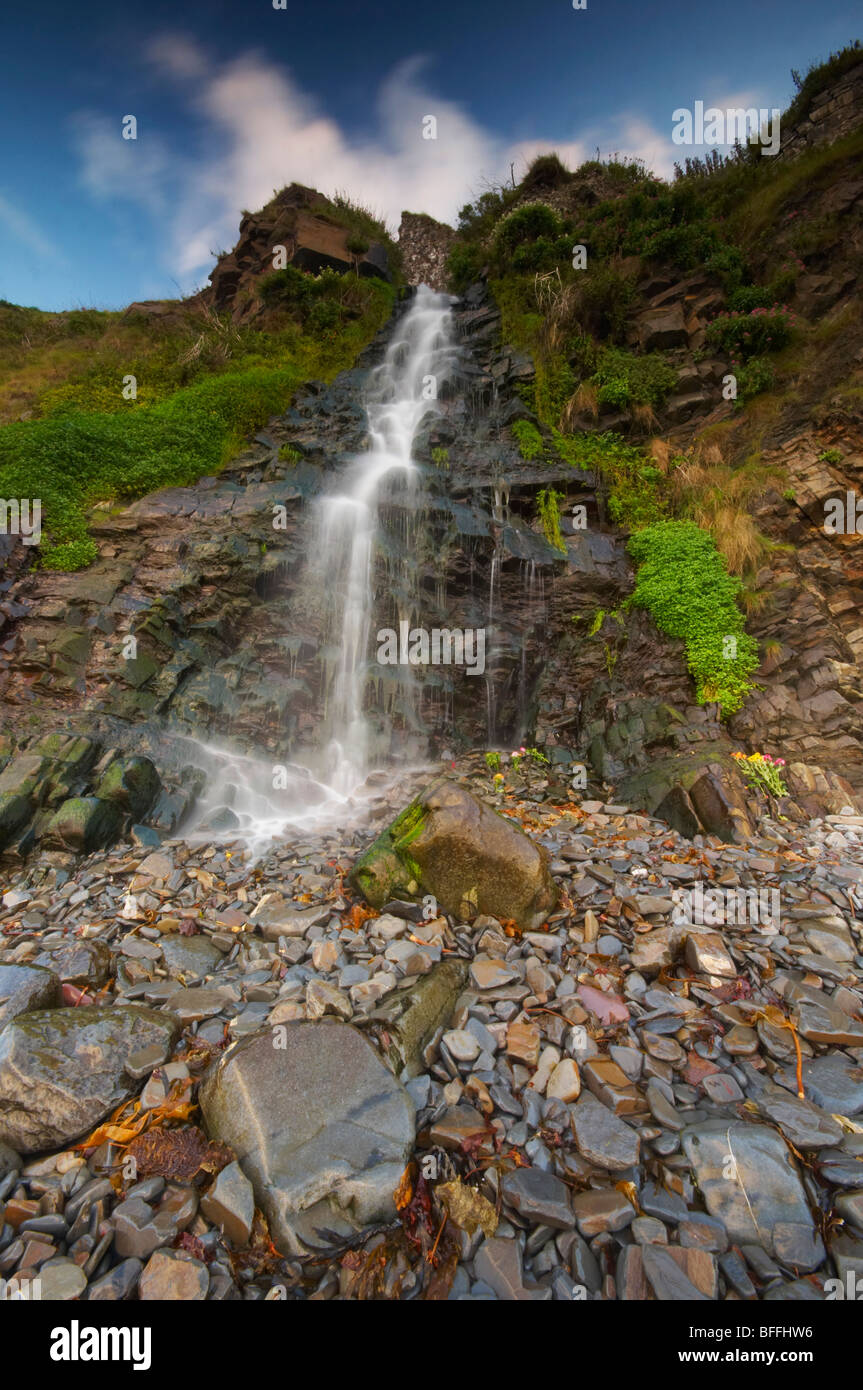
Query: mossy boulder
{"type": "Point", "coordinates": [83, 824]}
{"type": "Point", "coordinates": [407, 1020]}
{"type": "Point", "coordinates": [132, 784]}
{"type": "Point", "coordinates": [449, 844]}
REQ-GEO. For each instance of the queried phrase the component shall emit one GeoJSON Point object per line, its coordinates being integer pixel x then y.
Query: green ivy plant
{"type": "Point", "coordinates": [529, 439]}
{"type": "Point", "coordinates": [548, 509]}
{"type": "Point", "coordinates": [681, 580]}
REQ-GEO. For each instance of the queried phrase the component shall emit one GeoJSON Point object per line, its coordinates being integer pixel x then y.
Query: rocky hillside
{"type": "Point", "coordinates": [581, 1021]}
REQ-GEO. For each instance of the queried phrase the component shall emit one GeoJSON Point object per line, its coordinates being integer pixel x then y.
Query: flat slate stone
{"type": "Point", "coordinates": [319, 1125]}
{"type": "Point", "coordinates": [603, 1138]}
{"type": "Point", "coordinates": [745, 1174]}
{"type": "Point", "coordinates": [539, 1197]}
{"type": "Point", "coordinates": [834, 1082]}
{"type": "Point", "coordinates": [190, 955]}
{"type": "Point", "coordinates": [800, 1121]}
{"type": "Point", "coordinates": [84, 963]}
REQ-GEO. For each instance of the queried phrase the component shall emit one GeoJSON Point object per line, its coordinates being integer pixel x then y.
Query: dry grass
{"type": "Point", "coordinates": [585, 401]}
{"type": "Point", "coordinates": [719, 498]}
{"type": "Point", "coordinates": [644, 417]}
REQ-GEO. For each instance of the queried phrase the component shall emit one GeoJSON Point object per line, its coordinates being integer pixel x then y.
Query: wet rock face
{"type": "Point", "coordinates": [318, 1124]}
{"type": "Point", "coordinates": [451, 845]}
{"type": "Point", "coordinates": [62, 1070]}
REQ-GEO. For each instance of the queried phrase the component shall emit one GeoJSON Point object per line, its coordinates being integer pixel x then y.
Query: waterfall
{"type": "Point", "coordinates": [355, 572]}
{"type": "Point", "coordinates": [401, 391]}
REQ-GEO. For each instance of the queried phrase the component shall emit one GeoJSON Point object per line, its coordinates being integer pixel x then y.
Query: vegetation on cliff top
{"type": "Point", "coordinates": [565, 253]}
{"type": "Point", "coordinates": [71, 437]}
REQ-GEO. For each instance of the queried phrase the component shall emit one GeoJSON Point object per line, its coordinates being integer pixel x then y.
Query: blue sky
{"type": "Point", "coordinates": [235, 98]}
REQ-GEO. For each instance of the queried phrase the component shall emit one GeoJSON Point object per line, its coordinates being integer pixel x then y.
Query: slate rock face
{"type": "Point", "coordinates": [26, 988]}
{"type": "Point", "coordinates": [319, 1125]}
{"type": "Point", "coordinates": [450, 844]}
{"type": "Point", "coordinates": [61, 1070]}
{"type": "Point", "coordinates": [749, 1182]}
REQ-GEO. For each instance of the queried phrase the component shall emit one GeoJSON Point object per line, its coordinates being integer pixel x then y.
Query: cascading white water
{"type": "Point", "coordinates": [246, 797]}
{"type": "Point", "coordinates": [401, 392]}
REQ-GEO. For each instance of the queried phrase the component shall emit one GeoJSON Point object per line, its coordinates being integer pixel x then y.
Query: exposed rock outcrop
{"type": "Point", "coordinates": [424, 245]}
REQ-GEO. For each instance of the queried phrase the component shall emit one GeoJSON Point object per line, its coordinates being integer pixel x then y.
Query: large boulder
{"type": "Point", "coordinates": [132, 784]}
{"type": "Point", "coordinates": [62, 1070]}
{"type": "Point", "coordinates": [319, 1125]}
{"type": "Point", "coordinates": [83, 824]}
{"type": "Point", "coordinates": [449, 844]}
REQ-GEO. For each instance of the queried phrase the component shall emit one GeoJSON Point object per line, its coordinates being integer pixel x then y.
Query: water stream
{"type": "Point", "coordinates": [248, 798]}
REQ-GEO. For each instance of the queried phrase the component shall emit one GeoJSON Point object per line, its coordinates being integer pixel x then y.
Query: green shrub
{"type": "Point", "coordinates": [287, 288]}
{"type": "Point", "coordinates": [752, 334]}
{"type": "Point", "coordinates": [606, 298]}
{"type": "Point", "coordinates": [753, 377]}
{"type": "Point", "coordinates": [544, 173]}
{"type": "Point", "coordinates": [530, 444]}
{"type": "Point", "coordinates": [625, 379]}
{"type": "Point", "coordinates": [464, 263]}
{"type": "Point", "coordinates": [681, 580]}
{"type": "Point", "coordinates": [526, 224]}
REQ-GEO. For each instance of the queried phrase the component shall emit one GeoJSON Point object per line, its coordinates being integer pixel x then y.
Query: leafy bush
{"type": "Point", "coordinates": [605, 299]}
{"type": "Point", "coordinates": [681, 580]}
{"type": "Point", "coordinates": [542, 254]}
{"type": "Point", "coordinates": [752, 334]}
{"type": "Point", "coordinates": [526, 224]}
{"type": "Point", "coordinates": [748, 297]}
{"type": "Point", "coordinates": [464, 263]}
{"type": "Point", "coordinates": [287, 288]}
{"type": "Point", "coordinates": [544, 173]}
{"type": "Point", "coordinates": [625, 379]}
{"type": "Point", "coordinates": [753, 377]}
{"type": "Point", "coordinates": [529, 439]}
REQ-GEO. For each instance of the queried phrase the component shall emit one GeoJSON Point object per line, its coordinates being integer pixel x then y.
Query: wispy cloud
{"type": "Point", "coordinates": [22, 227]}
{"type": "Point", "coordinates": [257, 130]}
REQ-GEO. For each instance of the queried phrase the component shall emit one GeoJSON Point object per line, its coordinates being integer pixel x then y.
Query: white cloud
{"type": "Point", "coordinates": [257, 131]}
{"type": "Point", "coordinates": [22, 227]}
{"type": "Point", "coordinates": [138, 170]}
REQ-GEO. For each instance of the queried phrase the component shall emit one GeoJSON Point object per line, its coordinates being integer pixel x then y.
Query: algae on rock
{"type": "Point", "coordinates": [451, 845]}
